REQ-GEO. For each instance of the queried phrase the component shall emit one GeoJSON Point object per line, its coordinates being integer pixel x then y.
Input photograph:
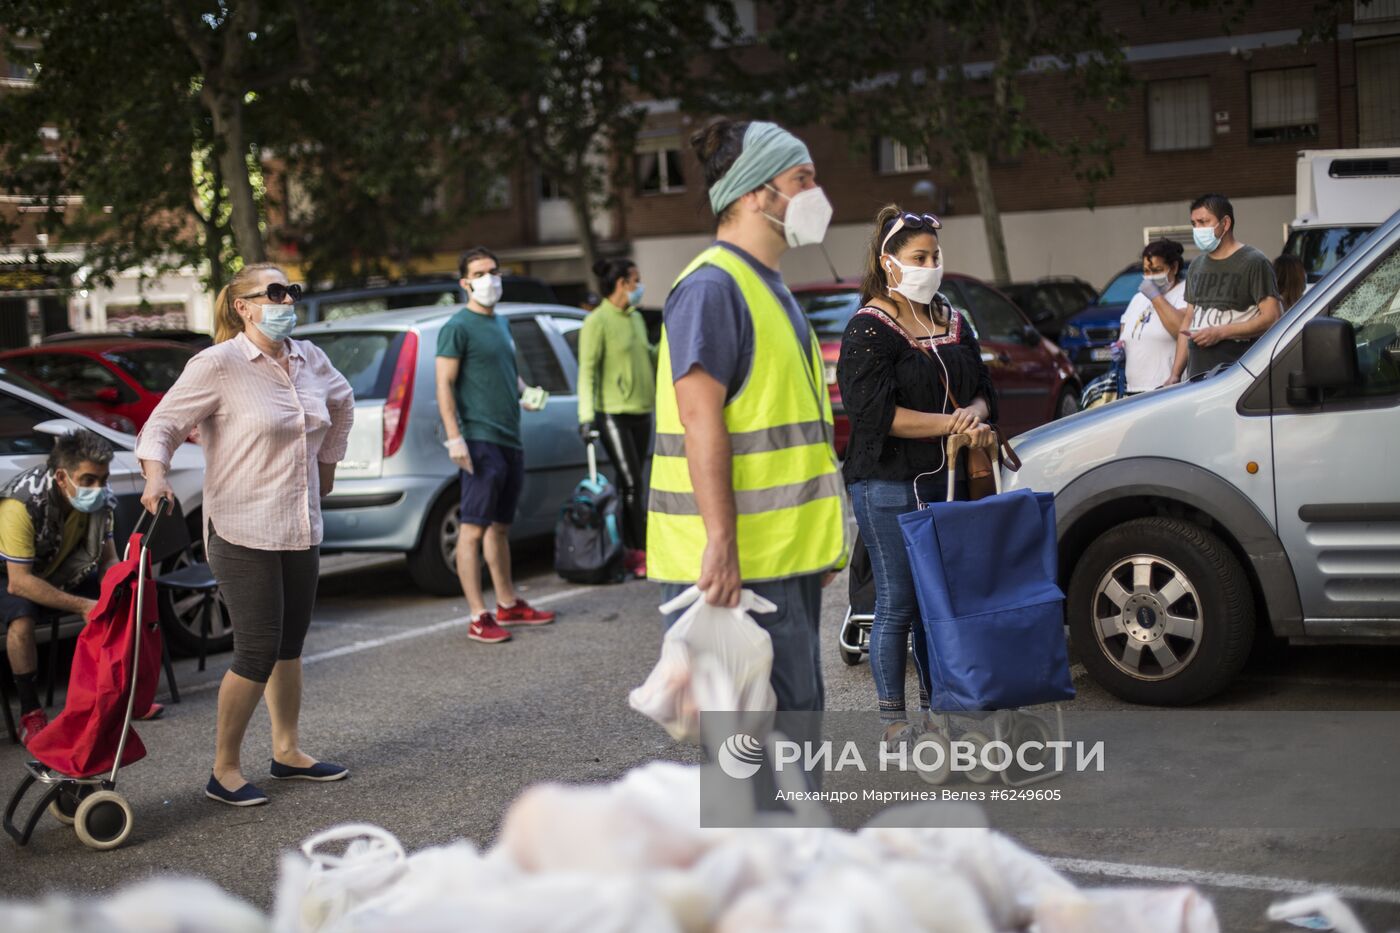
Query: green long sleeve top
{"type": "Point", "coordinates": [616, 364]}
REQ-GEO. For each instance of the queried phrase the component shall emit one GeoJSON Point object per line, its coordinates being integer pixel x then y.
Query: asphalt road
{"type": "Point", "coordinates": [442, 733]}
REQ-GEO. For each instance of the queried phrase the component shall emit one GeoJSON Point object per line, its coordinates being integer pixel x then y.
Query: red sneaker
{"type": "Point", "coordinates": [522, 613]}
{"type": "Point", "coordinates": [636, 563]}
{"type": "Point", "coordinates": [485, 629]}
{"type": "Point", "coordinates": [30, 724]}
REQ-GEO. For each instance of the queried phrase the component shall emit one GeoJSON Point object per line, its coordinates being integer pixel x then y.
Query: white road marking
{"type": "Point", "coordinates": [1221, 879]}
{"type": "Point", "coordinates": [369, 644]}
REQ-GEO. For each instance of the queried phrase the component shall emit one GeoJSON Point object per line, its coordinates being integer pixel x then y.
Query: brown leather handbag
{"type": "Point", "coordinates": [981, 482]}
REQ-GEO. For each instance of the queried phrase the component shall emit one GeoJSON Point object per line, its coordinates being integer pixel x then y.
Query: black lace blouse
{"type": "Point", "coordinates": [881, 367]}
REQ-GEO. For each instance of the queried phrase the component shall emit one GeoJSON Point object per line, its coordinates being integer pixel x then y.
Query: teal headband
{"type": "Point", "coordinates": [769, 150]}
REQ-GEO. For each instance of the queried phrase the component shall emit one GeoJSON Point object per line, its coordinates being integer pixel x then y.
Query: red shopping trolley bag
{"type": "Point", "coordinates": [83, 740]}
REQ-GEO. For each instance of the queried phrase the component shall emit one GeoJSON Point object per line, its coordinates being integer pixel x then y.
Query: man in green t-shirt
{"type": "Point", "coordinates": [1231, 295]}
{"type": "Point", "coordinates": [479, 397]}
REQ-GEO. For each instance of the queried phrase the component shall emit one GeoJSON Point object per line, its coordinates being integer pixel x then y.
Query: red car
{"type": "Point", "coordinates": [115, 381]}
{"type": "Point", "coordinates": [1035, 381]}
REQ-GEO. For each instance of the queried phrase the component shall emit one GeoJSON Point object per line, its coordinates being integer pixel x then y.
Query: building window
{"type": "Point", "coordinates": [1178, 114]}
{"type": "Point", "coordinates": [659, 167]}
{"type": "Point", "coordinates": [551, 190]}
{"type": "Point", "coordinates": [1377, 104]}
{"type": "Point", "coordinates": [1283, 105]}
{"type": "Point", "coordinates": [895, 157]}
{"type": "Point", "coordinates": [1376, 11]}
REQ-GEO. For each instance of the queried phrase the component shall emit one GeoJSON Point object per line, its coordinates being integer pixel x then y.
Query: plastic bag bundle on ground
{"type": "Point", "coordinates": [711, 659]}
{"type": "Point", "coordinates": [162, 905]}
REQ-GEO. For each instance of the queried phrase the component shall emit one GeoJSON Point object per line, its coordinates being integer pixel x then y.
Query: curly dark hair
{"type": "Point", "coordinates": [716, 147]}
{"type": "Point", "coordinates": [75, 448]}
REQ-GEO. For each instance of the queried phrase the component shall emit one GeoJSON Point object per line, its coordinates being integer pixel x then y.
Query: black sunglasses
{"type": "Point", "coordinates": [276, 292]}
{"type": "Point", "coordinates": [907, 221]}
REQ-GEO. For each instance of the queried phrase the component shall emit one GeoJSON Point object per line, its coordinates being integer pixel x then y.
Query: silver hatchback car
{"type": "Point", "coordinates": [1269, 490]}
{"type": "Point", "coordinates": [397, 490]}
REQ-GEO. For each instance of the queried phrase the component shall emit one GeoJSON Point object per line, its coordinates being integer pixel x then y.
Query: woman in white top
{"type": "Point", "coordinates": [1153, 319]}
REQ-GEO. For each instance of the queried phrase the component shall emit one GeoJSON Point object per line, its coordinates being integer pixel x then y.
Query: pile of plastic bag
{"type": "Point", "coordinates": [631, 856]}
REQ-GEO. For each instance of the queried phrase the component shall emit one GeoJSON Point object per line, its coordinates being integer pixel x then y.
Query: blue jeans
{"type": "Point", "coordinates": [878, 505]}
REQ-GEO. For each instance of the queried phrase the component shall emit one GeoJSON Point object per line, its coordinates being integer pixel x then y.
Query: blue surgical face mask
{"type": "Point", "coordinates": [1206, 240]}
{"type": "Point", "coordinates": [89, 498]}
{"type": "Point", "coordinates": [634, 297]}
{"type": "Point", "coordinates": [277, 321]}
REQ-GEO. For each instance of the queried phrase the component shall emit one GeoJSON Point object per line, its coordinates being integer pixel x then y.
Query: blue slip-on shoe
{"type": "Point", "coordinates": [246, 796]}
{"type": "Point", "coordinates": [320, 771]}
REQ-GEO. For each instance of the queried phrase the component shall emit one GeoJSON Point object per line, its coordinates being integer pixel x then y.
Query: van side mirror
{"type": "Point", "coordinates": [1329, 360]}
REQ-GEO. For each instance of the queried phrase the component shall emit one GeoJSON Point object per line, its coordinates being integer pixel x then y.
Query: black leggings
{"type": "Point", "coordinates": [269, 595]}
{"type": "Point", "coordinates": [625, 437]}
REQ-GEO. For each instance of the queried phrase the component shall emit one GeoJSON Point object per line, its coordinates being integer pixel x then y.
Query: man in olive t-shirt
{"type": "Point", "coordinates": [1231, 295]}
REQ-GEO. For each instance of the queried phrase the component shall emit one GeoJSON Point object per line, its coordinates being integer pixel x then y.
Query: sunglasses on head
{"type": "Point", "coordinates": [277, 293]}
{"type": "Point", "coordinates": [907, 221]}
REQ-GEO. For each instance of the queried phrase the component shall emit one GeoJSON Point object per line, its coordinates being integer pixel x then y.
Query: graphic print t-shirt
{"type": "Point", "coordinates": [1228, 291]}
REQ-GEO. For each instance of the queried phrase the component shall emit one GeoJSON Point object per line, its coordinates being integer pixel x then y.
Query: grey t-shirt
{"type": "Point", "coordinates": [1226, 291]}
{"type": "Point", "coordinates": [708, 324]}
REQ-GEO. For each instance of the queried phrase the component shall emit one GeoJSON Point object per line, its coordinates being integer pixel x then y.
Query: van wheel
{"type": "Point", "coordinates": [433, 563]}
{"type": "Point", "coordinates": [1160, 612]}
{"type": "Point", "coordinates": [1068, 403]}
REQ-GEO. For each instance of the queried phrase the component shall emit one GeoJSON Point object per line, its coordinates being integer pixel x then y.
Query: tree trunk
{"type": "Point", "coordinates": [232, 148]}
{"type": "Point", "coordinates": [991, 216]}
{"type": "Point", "coordinates": [583, 223]}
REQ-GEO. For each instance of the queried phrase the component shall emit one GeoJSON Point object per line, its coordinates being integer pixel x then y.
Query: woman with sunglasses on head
{"type": "Point", "coordinates": [274, 417]}
{"type": "Point", "coordinates": [911, 373]}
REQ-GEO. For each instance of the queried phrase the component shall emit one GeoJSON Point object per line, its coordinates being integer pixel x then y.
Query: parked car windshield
{"type": "Point", "coordinates": [365, 358]}
{"type": "Point", "coordinates": [1122, 289]}
{"type": "Point", "coordinates": [829, 312]}
{"type": "Point", "coordinates": [1321, 249]}
{"type": "Point", "coordinates": [154, 368]}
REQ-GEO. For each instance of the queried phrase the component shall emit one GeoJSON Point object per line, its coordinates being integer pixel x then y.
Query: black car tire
{"type": "Point", "coordinates": [180, 613]}
{"type": "Point", "coordinates": [427, 563]}
{"type": "Point", "coordinates": [1067, 404]}
{"type": "Point", "coordinates": [1219, 599]}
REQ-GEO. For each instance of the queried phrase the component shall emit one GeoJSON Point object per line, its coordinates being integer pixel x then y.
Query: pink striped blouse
{"type": "Point", "coordinates": [263, 435]}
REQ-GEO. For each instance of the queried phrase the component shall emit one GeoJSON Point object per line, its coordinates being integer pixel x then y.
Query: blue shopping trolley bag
{"type": "Point", "coordinates": [992, 612]}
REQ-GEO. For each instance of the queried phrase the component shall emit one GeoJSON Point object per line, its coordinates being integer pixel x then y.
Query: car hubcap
{"type": "Point", "coordinates": [1147, 617]}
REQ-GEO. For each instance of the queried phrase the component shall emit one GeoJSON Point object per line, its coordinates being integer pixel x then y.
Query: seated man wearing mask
{"type": "Point", "coordinates": [56, 541]}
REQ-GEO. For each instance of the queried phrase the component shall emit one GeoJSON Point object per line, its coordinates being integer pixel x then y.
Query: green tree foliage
{"type": "Point", "coordinates": [566, 78]}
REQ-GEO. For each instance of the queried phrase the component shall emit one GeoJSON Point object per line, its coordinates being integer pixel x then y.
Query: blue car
{"type": "Point", "coordinates": [1088, 337]}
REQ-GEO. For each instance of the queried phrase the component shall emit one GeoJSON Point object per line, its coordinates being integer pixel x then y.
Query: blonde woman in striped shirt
{"type": "Point", "coordinates": [274, 417]}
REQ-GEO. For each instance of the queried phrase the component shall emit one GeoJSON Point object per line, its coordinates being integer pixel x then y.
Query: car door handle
{"type": "Point", "coordinates": [995, 357]}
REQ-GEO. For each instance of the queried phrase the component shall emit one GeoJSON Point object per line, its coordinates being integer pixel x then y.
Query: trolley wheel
{"type": "Point", "coordinates": [932, 775]}
{"type": "Point", "coordinates": [1028, 728]}
{"type": "Point", "coordinates": [980, 774]}
{"type": "Point", "coordinates": [65, 806]}
{"type": "Point", "coordinates": [103, 820]}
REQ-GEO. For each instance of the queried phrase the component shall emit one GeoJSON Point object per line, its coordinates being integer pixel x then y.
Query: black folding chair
{"type": "Point", "coordinates": [170, 540]}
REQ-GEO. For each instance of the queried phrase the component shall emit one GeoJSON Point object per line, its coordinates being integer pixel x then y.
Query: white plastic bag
{"type": "Point", "coordinates": [712, 659]}
{"type": "Point", "coordinates": [1127, 910]}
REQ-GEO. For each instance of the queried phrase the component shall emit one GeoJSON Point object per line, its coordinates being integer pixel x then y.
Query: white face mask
{"type": "Point", "coordinates": [486, 290]}
{"type": "Point", "coordinates": [917, 283]}
{"type": "Point", "coordinates": [808, 214]}
{"type": "Point", "coordinates": [1157, 278]}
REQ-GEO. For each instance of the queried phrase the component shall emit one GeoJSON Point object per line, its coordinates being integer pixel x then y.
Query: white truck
{"type": "Point", "coordinates": [1342, 195]}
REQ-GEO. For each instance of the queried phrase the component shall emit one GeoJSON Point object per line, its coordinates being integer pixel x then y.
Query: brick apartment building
{"type": "Point", "coordinates": [1213, 112]}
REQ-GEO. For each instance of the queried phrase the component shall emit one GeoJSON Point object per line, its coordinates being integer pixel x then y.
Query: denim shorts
{"type": "Point", "coordinates": [491, 493]}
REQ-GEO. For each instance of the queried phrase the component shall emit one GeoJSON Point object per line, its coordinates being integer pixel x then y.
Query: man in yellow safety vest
{"type": "Point", "coordinates": [745, 487]}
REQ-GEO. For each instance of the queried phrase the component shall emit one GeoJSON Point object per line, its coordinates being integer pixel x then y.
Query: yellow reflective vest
{"type": "Point", "coordinates": [788, 492]}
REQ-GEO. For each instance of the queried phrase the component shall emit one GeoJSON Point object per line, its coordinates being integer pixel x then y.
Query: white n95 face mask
{"type": "Point", "coordinates": [917, 283]}
{"type": "Point", "coordinates": [808, 214]}
{"type": "Point", "coordinates": [486, 290]}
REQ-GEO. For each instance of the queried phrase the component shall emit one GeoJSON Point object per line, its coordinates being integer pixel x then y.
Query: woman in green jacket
{"type": "Point", "coordinates": [617, 391]}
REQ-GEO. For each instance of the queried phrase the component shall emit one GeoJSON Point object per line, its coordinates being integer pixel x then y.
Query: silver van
{"type": "Point", "coordinates": [1265, 494]}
